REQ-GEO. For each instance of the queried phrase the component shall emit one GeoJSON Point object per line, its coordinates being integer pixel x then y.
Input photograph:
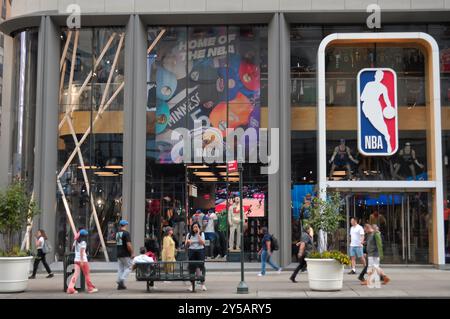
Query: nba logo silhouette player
{"type": "Point", "coordinates": [377, 112]}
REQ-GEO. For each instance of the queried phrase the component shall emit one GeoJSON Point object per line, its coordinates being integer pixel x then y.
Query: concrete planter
{"type": "Point", "coordinates": [14, 273]}
{"type": "Point", "coordinates": [325, 274]}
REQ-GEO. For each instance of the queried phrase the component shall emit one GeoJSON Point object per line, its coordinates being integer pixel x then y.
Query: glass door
{"type": "Point", "coordinates": [404, 220]}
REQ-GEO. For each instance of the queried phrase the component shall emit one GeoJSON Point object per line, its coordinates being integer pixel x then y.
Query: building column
{"type": "Point", "coordinates": [280, 118]}
{"type": "Point", "coordinates": [285, 141]}
{"type": "Point", "coordinates": [135, 121]}
{"type": "Point", "coordinates": [46, 153]}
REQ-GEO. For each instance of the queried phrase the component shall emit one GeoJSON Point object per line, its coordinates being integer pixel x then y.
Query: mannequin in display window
{"type": "Point", "coordinates": [407, 158]}
{"type": "Point", "coordinates": [341, 158]}
{"type": "Point", "coordinates": [234, 221]}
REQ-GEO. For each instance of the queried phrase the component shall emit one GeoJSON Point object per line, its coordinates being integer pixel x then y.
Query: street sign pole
{"type": "Point", "coordinates": [242, 287]}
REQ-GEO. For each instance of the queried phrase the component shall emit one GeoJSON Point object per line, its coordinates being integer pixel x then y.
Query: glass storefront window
{"type": "Point", "coordinates": [202, 80]}
{"type": "Point", "coordinates": [343, 63]}
{"type": "Point", "coordinates": [91, 113]}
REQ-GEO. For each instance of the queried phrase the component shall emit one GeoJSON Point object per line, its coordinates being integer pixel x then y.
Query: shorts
{"type": "Point", "coordinates": [374, 262]}
{"type": "Point", "coordinates": [356, 251]}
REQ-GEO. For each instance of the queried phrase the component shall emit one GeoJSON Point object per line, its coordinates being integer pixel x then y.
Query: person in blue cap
{"type": "Point", "coordinates": [81, 263]}
{"type": "Point", "coordinates": [125, 254]}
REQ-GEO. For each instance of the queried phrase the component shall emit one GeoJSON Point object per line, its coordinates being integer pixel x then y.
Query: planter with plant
{"type": "Point", "coordinates": [16, 209]}
{"type": "Point", "coordinates": [326, 268]}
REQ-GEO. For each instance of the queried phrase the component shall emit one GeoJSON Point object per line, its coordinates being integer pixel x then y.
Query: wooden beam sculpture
{"type": "Point", "coordinates": [77, 151]}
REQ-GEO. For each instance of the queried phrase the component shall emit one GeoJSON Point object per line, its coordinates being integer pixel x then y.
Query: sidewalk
{"type": "Point", "coordinates": [406, 283]}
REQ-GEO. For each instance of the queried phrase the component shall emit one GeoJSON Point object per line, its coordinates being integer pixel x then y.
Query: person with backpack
{"type": "Point", "coordinates": [269, 244]}
{"type": "Point", "coordinates": [305, 248]}
{"type": "Point", "coordinates": [81, 263]}
{"type": "Point", "coordinates": [43, 247]}
{"type": "Point", "coordinates": [125, 254]}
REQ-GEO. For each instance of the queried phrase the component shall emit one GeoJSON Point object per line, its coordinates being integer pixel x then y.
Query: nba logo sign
{"type": "Point", "coordinates": [377, 112]}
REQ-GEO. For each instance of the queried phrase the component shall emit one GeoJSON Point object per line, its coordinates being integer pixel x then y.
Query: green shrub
{"type": "Point", "coordinates": [16, 208]}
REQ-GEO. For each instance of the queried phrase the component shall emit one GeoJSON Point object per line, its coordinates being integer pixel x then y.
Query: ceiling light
{"type": "Point", "coordinates": [209, 179]}
{"type": "Point", "coordinates": [114, 166]}
{"type": "Point", "coordinates": [106, 174]}
{"type": "Point", "coordinates": [229, 174]}
{"type": "Point", "coordinates": [204, 173]}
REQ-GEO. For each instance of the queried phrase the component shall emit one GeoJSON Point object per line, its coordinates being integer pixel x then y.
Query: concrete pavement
{"type": "Point", "coordinates": [406, 283]}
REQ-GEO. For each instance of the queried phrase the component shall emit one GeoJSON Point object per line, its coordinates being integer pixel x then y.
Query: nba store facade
{"type": "Point", "coordinates": [99, 115]}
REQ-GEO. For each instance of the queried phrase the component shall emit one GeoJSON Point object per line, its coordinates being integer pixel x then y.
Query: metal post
{"type": "Point", "coordinates": [242, 287]}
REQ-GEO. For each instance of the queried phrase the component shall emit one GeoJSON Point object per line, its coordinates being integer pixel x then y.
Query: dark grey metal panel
{"type": "Point", "coordinates": [274, 122]}
{"type": "Point", "coordinates": [139, 131]}
{"type": "Point", "coordinates": [128, 121]}
{"type": "Point", "coordinates": [47, 126]}
{"type": "Point", "coordinates": [285, 141]}
{"type": "Point", "coordinates": [135, 129]}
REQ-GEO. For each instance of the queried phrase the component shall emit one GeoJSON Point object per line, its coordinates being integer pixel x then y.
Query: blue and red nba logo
{"type": "Point", "coordinates": [377, 112]}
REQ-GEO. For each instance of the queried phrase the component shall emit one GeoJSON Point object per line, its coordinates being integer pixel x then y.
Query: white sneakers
{"type": "Point", "coordinates": [202, 287]}
{"type": "Point", "coordinates": [278, 272]}
{"type": "Point", "coordinates": [93, 291]}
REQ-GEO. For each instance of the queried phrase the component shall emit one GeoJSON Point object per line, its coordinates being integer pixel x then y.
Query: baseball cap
{"type": "Point", "coordinates": [84, 232]}
{"type": "Point", "coordinates": [123, 222]}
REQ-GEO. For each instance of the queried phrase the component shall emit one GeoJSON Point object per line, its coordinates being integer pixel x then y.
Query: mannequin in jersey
{"type": "Point", "coordinates": [407, 158]}
{"type": "Point", "coordinates": [341, 158]}
{"type": "Point", "coordinates": [234, 221]}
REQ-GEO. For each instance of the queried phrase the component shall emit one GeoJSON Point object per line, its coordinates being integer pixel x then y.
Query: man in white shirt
{"type": "Point", "coordinates": [356, 244]}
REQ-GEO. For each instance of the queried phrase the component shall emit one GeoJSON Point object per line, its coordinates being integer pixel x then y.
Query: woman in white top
{"type": "Point", "coordinates": [81, 263]}
{"type": "Point", "coordinates": [41, 237]}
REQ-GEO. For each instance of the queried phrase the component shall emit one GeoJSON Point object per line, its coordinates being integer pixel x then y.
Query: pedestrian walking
{"type": "Point", "coordinates": [168, 251]}
{"type": "Point", "coordinates": [195, 241]}
{"type": "Point", "coordinates": [356, 244]}
{"type": "Point", "coordinates": [124, 254]}
{"type": "Point", "coordinates": [306, 247]}
{"type": "Point", "coordinates": [81, 263]}
{"type": "Point", "coordinates": [266, 253]}
{"type": "Point", "coordinates": [42, 248]}
{"type": "Point", "coordinates": [374, 254]}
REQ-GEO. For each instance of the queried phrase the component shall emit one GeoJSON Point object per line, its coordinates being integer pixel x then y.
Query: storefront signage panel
{"type": "Point", "coordinates": [377, 112]}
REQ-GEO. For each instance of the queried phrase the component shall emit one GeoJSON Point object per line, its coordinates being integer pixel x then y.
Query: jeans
{"type": "Point", "coordinates": [196, 254]}
{"type": "Point", "coordinates": [266, 257]}
{"type": "Point", "coordinates": [40, 257]}
{"type": "Point", "coordinates": [87, 275]}
{"type": "Point", "coordinates": [124, 269]}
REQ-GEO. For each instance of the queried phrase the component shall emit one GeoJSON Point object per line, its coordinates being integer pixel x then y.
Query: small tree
{"type": "Point", "coordinates": [326, 217]}
{"type": "Point", "coordinates": [16, 208]}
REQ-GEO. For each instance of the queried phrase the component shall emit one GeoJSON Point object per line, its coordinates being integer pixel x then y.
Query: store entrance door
{"type": "Point", "coordinates": [404, 219]}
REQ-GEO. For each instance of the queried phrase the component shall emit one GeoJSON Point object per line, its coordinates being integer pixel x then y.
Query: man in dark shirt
{"type": "Point", "coordinates": [305, 248]}
{"type": "Point", "coordinates": [124, 254]}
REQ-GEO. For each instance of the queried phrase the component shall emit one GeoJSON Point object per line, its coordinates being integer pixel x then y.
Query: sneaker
{"type": "Point", "coordinates": [260, 275]}
{"type": "Point", "coordinates": [293, 279]}
{"type": "Point", "coordinates": [93, 290]}
{"type": "Point", "coordinates": [32, 277]}
{"type": "Point", "coordinates": [386, 280]}
{"type": "Point", "coordinates": [190, 288]}
{"type": "Point", "coordinates": [279, 271]}
{"type": "Point", "coordinates": [204, 288]}
{"type": "Point", "coordinates": [121, 286]}
{"type": "Point", "coordinates": [50, 276]}
{"type": "Point", "coordinates": [352, 272]}
{"type": "Point", "coordinates": [72, 292]}
{"type": "Point", "coordinates": [364, 282]}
